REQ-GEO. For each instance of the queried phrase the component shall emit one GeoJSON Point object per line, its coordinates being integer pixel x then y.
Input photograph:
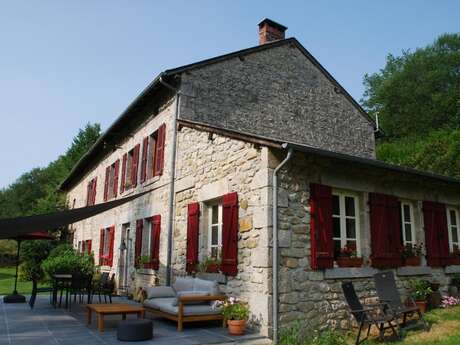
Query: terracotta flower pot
{"type": "Point", "coordinates": [421, 305]}
{"type": "Point", "coordinates": [236, 327]}
{"type": "Point", "coordinates": [345, 261]}
{"type": "Point", "coordinates": [412, 261]}
{"type": "Point", "coordinates": [213, 268]}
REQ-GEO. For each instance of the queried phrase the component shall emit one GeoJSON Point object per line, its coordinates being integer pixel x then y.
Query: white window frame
{"type": "Point", "coordinates": [210, 245]}
{"type": "Point", "coordinates": [450, 226]}
{"type": "Point", "coordinates": [343, 227]}
{"type": "Point", "coordinates": [146, 226]}
{"type": "Point", "coordinates": [411, 223]}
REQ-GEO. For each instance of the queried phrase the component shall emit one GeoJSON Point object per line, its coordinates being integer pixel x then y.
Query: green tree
{"type": "Point", "coordinates": [418, 91]}
{"type": "Point", "coordinates": [36, 192]}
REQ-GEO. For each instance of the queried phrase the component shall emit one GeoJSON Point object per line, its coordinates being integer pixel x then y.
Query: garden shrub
{"type": "Point", "coordinates": [64, 259]}
{"type": "Point", "coordinates": [298, 334]}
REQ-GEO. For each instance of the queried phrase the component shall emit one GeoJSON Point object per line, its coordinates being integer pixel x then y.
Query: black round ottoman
{"type": "Point", "coordinates": [135, 330]}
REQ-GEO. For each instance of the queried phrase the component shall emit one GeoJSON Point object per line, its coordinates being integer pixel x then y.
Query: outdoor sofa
{"type": "Point", "coordinates": [189, 299]}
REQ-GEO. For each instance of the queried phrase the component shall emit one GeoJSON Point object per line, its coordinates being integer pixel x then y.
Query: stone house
{"type": "Point", "coordinates": [243, 150]}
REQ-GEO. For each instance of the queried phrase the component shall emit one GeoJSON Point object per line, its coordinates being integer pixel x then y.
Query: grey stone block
{"type": "Point", "coordinates": [349, 272]}
{"type": "Point", "coordinates": [452, 269]}
{"type": "Point", "coordinates": [413, 271]}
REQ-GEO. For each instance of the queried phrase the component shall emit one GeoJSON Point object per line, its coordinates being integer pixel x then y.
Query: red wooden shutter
{"type": "Point", "coordinates": [155, 242]}
{"type": "Point", "coordinates": [101, 247]}
{"type": "Point", "coordinates": [106, 183]}
{"type": "Point", "coordinates": [115, 178]}
{"type": "Point", "coordinates": [321, 243]}
{"type": "Point", "coordinates": [160, 150]}
{"type": "Point", "coordinates": [193, 219]}
{"type": "Point", "coordinates": [145, 146]}
{"type": "Point", "coordinates": [386, 243]}
{"type": "Point", "coordinates": [436, 233]}
{"type": "Point", "coordinates": [93, 199]}
{"type": "Point", "coordinates": [88, 193]}
{"type": "Point", "coordinates": [82, 246]}
{"type": "Point", "coordinates": [138, 243]}
{"type": "Point", "coordinates": [123, 173]}
{"type": "Point", "coordinates": [135, 164]}
{"type": "Point", "coordinates": [111, 245]}
{"type": "Point", "coordinates": [89, 244]}
{"type": "Point", "coordinates": [230, 234]}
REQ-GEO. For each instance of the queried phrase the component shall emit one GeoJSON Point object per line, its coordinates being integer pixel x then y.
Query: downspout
{"type": "Point", "coordinates": [172, 169]}
{"type": "Point", "coordinates": [275, 245]}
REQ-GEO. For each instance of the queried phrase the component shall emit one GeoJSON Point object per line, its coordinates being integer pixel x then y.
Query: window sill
{"type": "Point", "coordinates": [105, 268]}
{"type": "Point", "coordinates": [413, 270]}
{"type": "Point", "coordinates": [151, 181]}
{"type": "Point", "coordinates": [452, 269]}
{"type": "Point", "coordinates": [218, 277]}
{"type": "Point", "coordinates": [146, 271]}
{"type": "Point", "coordinates": [349, 272]}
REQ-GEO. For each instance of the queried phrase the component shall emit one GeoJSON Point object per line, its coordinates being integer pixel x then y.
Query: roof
{"type": "Point", "coordinates": [260, 140]}
{"type": "Point", "coordinates": [130, 112]}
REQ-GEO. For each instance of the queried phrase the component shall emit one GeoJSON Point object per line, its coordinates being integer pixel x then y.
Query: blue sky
{"type": "Point", "coordinates": [64, 64]}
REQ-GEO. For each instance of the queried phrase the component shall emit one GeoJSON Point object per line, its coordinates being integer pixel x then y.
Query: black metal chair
{"type": "Point", "coordinates": [36, 290]}
{"type": "Point", "coordinates": [105, 287]}
{"type": "Point", "coordinates": [368, 315]}
{"type": "Point", "coordinates": [79, 286]}
{"type": "Point", "coordinates": [388, 293]}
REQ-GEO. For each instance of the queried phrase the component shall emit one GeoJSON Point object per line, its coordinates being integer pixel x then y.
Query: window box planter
{"type": "Point", "coordinates": [344, 261]}
{"type": "Point", "coordinates": [213, 268]}
{"type": "Point", "coordinates": [412, 261]}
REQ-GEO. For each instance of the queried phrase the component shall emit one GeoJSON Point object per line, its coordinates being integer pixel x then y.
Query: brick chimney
{"type": "Point", "coordinates": [270, 31]}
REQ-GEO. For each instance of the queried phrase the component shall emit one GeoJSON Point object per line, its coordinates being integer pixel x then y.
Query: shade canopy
{"type": "Point", "coordinates": [37, 235]}
{"type": "Point", "coordinates": [21, 227]}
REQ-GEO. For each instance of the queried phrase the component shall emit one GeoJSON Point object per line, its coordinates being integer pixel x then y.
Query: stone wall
{"type": "Point", "coordinates": [316, 296]}
{"type": "Point", "coordinates": [277, 93]}
{"type": "Point", "coordinates": [208, 168]}
{"type": "Point", "coordinates": [153, 203]}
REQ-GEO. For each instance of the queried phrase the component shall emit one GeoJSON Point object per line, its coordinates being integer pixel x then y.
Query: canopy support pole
{"type": "Point", "coordinates": [15, 297]}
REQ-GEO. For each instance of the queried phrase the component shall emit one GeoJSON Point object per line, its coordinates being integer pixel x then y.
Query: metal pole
{"type": "Point", "coordinates": [275, 246]}
{"type": "Point", "coordinates": [15, 292]}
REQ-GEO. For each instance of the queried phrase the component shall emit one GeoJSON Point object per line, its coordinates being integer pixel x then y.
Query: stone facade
{"type": "Point", "coordinates": [154, 203]}
{"type": "Point", "coordinates": [316, 296]}
{"type": "Point", "coordinates": [208, 168]}
{"type": "Point", "coordinates": [277, 93]}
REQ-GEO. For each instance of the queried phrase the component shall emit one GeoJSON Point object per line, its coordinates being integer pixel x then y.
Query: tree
{"type": "Point", "coordinates": [418, 91]}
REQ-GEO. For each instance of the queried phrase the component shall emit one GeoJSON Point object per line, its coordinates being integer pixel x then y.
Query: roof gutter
{"type": "Point", "coordinates": [275, 243]}
{"type": "Point", "coordinates": [172, 171]}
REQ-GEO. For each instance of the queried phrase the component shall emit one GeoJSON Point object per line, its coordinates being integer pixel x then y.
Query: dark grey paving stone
{"type": "Point", "coordinates": [33, 341]}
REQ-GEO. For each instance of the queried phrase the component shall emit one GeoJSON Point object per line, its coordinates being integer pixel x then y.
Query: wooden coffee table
{"type": "Point", "coordinates": [112, 309]}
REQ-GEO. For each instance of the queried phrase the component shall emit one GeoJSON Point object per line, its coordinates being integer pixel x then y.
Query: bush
{"type": "Point", "coordinates": [64, 259]}
{"type": "Point", "coordinates": [296, 334]}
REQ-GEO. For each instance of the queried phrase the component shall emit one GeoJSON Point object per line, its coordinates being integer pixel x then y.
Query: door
{"type": "Point", "coordinates": [123, 263]}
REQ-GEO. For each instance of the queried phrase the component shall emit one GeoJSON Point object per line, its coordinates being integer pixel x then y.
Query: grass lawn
{"type": "Point", "coordinates": [445, 329]}
{"type": "Point", "coordinates": [7, 282]}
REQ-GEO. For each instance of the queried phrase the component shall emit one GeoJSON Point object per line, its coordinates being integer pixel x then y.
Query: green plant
{"type": "Point", "coordinates": [232, 309]}
{"type": "Point", "coordinates": [412, 250]}
{"type": "Point", "coordinates": [64, 259]}
{"type": "Point", "coordinates": [207, 262]}
{"type": "Point", "coordinates": [419, 289]}
{"type": "Point", "coordinates": [455, 279]}
{"type": "Point", "coordinates": [297, 334]}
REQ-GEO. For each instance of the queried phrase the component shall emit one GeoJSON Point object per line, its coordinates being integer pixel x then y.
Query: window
{"type": "Point", "coordinates": [152, 142]}
{"type": "Point", "coordinates": [214, 234]}
{"type": "Point", "coordinates": [407, 223]}
{"type": "Point", "coordinates": [91, 193]}
{"type": "Point", "coordinates": [111, 181]}
{"type": "Point", "coordinates": [453, 226]}
{"type": "Point", "coordinates": [106, 243]}
{"type": "Point", "coordinates": [130, 175]}
{"type": "Point", "coordinates": [145, 250]}
{"type": "Point", "coordinates": [345, 222]}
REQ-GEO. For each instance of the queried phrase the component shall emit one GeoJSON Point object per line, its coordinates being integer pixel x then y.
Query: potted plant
{"type": "Point", "coordinates": [209, 264]}
{"type": "Point", "coordinates": [236, 314]}
{"type": "Point", "coordinates": [455, 256]}
{"type": "Point", "coordinates": [412, 254]}
{"type": "Point", "coordinates": [143, 261]}
{"type": "Point", "coordinates": [348, 257]}
{"type": "Point", "coordinates": [420, 290]}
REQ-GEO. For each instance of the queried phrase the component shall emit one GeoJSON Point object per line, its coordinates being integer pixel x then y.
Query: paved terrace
{"type": "Point", "coordinates": [45, 325]}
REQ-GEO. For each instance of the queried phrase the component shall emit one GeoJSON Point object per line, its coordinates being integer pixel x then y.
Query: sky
{"type": "Point", "coordinates": [64, 64]}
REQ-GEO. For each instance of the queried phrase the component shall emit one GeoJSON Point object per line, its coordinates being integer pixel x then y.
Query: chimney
{"type": "Point", "coordinates": [270, 31]}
